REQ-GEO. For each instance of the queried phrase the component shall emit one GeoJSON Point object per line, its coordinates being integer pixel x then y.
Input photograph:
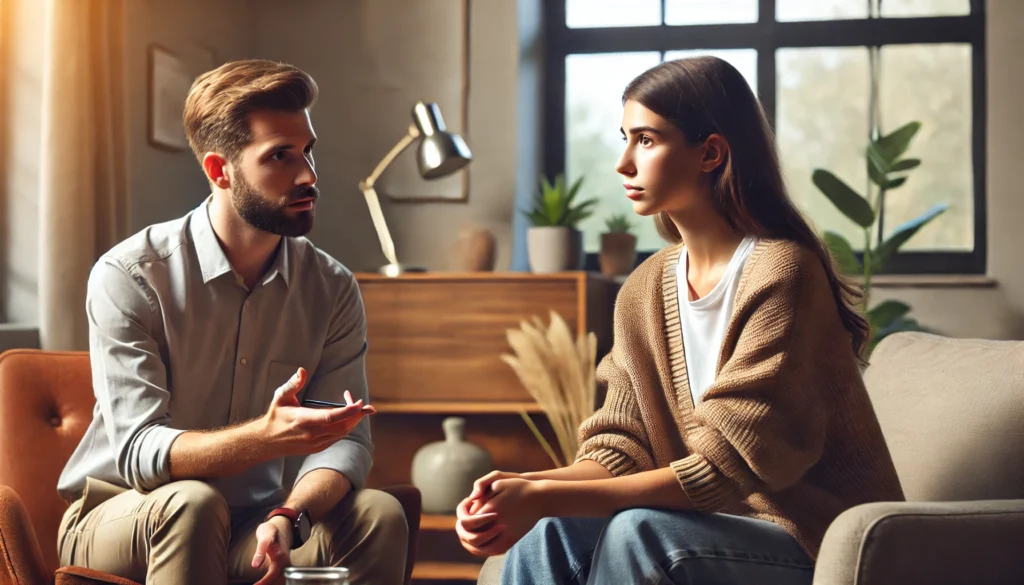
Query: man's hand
{"type": "Point", "coordinates": [274, 541]}
{"type": "Point", "coordinates": [513, 508]}
{"type": "Point", "coordinates": [296, 430]}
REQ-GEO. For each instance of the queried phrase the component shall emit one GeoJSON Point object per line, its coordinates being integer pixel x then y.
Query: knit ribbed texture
{"type": "Point", "coordinates": [786, 433]}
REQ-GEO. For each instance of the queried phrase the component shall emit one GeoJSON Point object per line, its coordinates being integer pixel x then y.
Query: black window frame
{"type": "Point", "coordinates": [766, 36]}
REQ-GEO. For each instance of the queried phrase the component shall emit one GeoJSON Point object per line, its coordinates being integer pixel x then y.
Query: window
{"type": "Point", "coordinates": [810, 62]}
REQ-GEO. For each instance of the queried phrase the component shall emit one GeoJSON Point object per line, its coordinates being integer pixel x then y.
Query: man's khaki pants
{"type": "Point", "coordinates": [181, 533]}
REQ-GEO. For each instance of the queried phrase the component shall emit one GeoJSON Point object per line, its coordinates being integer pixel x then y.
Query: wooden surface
{"type": "Point", "coordinates": [397, 437]}
{"type": "Point", "coordinates": [439, 337]}
{"type": "Point", "coordinates": [435, 570]}
{"type": "Point", "coordinates": [437, 522]}
{"type": "Point", "coordinates": [454, 407]}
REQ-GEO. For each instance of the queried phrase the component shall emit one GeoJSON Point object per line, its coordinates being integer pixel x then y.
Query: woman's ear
{"type": "Point", "coordinates": [716, 149]}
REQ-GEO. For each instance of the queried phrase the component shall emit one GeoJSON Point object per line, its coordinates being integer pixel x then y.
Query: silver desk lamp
{"type": "Point", "coordinates": [440, 154]}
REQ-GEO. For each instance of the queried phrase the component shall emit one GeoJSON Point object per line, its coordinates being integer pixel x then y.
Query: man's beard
{"type": "Point", "coordinates": [267, 215]}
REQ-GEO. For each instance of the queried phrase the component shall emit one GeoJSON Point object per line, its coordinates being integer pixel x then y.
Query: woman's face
{"type": "Point", "coordinates": [660, 171]}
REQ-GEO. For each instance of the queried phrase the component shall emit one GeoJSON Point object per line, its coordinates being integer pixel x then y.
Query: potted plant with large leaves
{"type": "Point", "coordinates": [554, 243]}
{"type": "Point", "coordinates": [888, 170]}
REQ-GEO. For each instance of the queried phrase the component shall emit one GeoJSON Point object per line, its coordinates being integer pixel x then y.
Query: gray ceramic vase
{"type": "Point", "coordinates": [444, 471]}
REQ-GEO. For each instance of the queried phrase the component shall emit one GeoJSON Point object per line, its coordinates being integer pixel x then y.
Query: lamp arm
{"type": "Point", "coordinates": [387, 245]}
{"type": "Point", "coordinates": [404, 143]}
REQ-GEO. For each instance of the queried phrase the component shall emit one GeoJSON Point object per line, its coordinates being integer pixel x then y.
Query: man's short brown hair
{"type": "Point", "coordinates": [219, 102]}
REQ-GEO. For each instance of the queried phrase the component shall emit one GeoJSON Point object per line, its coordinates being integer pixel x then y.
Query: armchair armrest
{"type": "Point", "coordinates": [83, 576]}
{"type": "Point", "coordinates": [412, 504]}
{"type": "Point", "coordinates": [939, 543]}
{"type": "Point", "coordinates": [21, 560]}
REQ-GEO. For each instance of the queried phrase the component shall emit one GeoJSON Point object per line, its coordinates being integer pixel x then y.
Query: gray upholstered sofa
{"type": "Point", "coordinates": [953, 414]}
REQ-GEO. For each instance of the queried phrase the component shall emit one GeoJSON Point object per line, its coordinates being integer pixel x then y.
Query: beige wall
{"type": "Point", "coordinates": [332, 48]}
{"type": "Point", "coordinates": [165, 185]}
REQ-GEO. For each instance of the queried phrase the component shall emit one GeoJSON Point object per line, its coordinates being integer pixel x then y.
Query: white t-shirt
{"type": "Point", "coordinates": [704, 321]}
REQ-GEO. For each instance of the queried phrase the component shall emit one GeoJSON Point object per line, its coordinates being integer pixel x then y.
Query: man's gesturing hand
{"type": "Point", "coordinates": [296, 430]}
{"type": "Point", "coordinates": [274, 541]}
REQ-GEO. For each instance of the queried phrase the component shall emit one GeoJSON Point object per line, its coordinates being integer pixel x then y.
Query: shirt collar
{"type": "Point", "coordinates": [212, 260]}
{"type": "Point", "coordinates": [280, 265]}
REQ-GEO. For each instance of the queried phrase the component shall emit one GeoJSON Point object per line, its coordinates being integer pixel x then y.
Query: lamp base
{"type": "Point", "coordinates": [394, 270]}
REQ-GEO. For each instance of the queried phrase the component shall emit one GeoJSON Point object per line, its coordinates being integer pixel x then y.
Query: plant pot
{"type": "Point", "coordinates": [554, 249]}
{"type": "Point", "coordinates": [444, 471]}
{"type": "Point", "coordinates": [618, 253]}
{"type": "Point", "coordinates": [475, 251]}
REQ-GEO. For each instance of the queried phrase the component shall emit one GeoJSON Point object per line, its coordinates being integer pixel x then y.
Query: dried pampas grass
{"type": "Point", "coordinates": [559, 373]}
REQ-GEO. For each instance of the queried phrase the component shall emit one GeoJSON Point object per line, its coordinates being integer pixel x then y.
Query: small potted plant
{"type": "Point", "coordinates": [618, 246]}
{"type": "Point", "coordinates": [554, 244]}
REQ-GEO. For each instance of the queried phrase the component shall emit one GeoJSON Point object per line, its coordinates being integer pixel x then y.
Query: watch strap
{"type": "Point", "coordinates": [288, 513]}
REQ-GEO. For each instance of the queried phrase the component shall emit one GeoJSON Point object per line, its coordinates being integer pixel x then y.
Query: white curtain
{"type": "Point", "coordinates": [83, 167]}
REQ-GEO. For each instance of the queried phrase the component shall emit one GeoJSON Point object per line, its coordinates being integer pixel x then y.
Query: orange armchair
{"type": "Point", "coordinates": [46, 403]}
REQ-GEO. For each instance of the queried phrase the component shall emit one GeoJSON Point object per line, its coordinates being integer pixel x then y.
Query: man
{"type": "Point", "coordinates": [207, 333]}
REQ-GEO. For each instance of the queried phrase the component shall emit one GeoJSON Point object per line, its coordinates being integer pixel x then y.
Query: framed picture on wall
{"type": "Point", "coordinates": [169, 82]}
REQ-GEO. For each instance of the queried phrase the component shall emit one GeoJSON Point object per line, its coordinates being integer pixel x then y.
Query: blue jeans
{"type": "Point", "coordinates": [657, 547]}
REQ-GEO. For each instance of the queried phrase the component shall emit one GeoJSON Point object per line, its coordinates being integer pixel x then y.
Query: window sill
{"type": "Point", "coordinates": [932, 281]}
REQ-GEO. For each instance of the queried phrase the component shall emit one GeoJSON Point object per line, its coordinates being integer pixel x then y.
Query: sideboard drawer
{"type": "Point", "coordinates": [435, 340]}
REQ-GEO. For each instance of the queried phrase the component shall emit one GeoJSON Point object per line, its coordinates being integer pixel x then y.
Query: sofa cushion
{"type": "Point", "coordinates": [951, 411]}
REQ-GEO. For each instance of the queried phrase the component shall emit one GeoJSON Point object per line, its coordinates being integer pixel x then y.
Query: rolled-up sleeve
{"type": "Point", "coordinates": [343, 367]}
{"type": "Point", "coordinates": [129, 377]}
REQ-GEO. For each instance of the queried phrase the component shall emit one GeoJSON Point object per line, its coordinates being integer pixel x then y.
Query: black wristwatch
{"type": "Point", "coordinates": [300, 524]}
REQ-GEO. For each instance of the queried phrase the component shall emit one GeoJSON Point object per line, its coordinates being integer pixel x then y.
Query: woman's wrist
{"type": "Point", "coordinates": [547, 492]}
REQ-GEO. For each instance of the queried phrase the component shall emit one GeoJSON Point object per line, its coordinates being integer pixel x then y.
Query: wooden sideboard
{"type": "Point", "coordinates": [435, 341]}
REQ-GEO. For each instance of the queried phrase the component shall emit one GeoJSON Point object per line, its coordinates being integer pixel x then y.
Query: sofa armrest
{"type": "Point", "coordinates": [939, 543]}
{"type": "Point", "coordinates": [21, 560]}
{"type": "Point", "coordinates": [490, 573]}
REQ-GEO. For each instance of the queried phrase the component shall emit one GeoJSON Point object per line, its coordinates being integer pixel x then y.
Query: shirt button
{"type": "Point", "coordinates": [243, 362]}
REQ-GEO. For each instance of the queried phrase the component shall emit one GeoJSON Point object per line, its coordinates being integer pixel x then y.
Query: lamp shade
{"type": "Point", "coordinates": [440, 153]}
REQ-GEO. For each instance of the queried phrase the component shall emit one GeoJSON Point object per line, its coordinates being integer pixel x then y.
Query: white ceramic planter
{"type": "Point", "coordinates": [554, 249]}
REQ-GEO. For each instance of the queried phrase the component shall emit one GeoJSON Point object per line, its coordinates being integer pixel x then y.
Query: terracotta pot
{"type": "Point", "coordinates": [618, 253]}
{"type": "Point", "coordinates": [475, 251]}
{"type": "Point", "coordinates": [554, 249]}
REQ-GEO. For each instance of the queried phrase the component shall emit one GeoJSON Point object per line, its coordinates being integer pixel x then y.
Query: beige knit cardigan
{"type": "Point", "coordinates": [786, 433]}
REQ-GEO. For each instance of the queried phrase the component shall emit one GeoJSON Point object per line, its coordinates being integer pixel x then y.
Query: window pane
{"type": "Point", "coordinates": [601, 13]}
{"type": "Point", "coordinates": [926, 7]}
{"type": "Point", "coordinates": [710, 11]}
{"type": "Point", "coordinates": [744, 60]}
{"type": "Point", "coordinates": [822, 122]}
{"type": "Point", "coordinates": [788, 10]}
{"type": "Point", "coordinates": [932, 84]}
{"type": "Point", "coordinates": [593, 115]}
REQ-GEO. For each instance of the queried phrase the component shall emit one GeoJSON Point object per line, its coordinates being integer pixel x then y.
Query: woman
{"type": "Point", "coordinates": [735, 426]}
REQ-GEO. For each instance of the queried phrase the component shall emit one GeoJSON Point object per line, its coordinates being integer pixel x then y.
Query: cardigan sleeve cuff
{"type": "Point", "coordinates": [706, 487]}
{"type": "Point", "coordinates": [616, 462]}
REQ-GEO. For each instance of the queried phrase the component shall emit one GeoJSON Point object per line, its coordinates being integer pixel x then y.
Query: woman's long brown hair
{"type": "Point", "coordinates": [706, 95]}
